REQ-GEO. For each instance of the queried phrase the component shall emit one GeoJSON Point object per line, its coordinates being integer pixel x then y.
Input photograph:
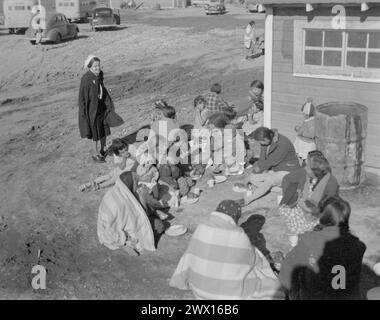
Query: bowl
{"type": "Point", "coordinates": [376, 268]}
{"type": "Point", "coordinates": [176, 230]}
{"type": "Point", "coordinates": [220, 179]}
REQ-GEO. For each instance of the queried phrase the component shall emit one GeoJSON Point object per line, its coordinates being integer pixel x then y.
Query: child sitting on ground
{"type": "Point", "coordinates": [166, 124]}
{"type": "Point", "coordinates": [172, 175]}
{"type": "Point", "coordinates": [304, 142]}
{"type": "Point", "coordinates": [123, 161]}
{"type": "Point", "coordinates": [254, 115]}
{"type": "Point", "coordinates": [226, 142]}
{"type": "Point", "coordinates": [148, 174]}
{"type": "Point", "coordinates": [147, 184]}
{"type": "Point", "coordinates": [200, 112]}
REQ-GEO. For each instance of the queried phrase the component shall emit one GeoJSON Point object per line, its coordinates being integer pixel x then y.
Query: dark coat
{"type": "Point", "coordinates": [280, 155]}
{"type": "Point", "coordinates": [295, 181]}
{"type": "Point", "coordinates": [89, 103]}
{"type": "Point", "coordinates": [308, 270]}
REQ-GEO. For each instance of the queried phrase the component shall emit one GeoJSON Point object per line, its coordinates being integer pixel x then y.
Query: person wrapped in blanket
{"type": "Point", "coordinates": [305, 142]}
{"type": "Point", "coordinates": [303, 189]}
{"type": "Point", "coordinates": [123, 223]}
{"type": "Point", "coordinates": [220, 263]}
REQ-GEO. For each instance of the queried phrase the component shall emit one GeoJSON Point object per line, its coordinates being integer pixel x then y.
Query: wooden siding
{"type": "Point", "coordinates": [289, 92]}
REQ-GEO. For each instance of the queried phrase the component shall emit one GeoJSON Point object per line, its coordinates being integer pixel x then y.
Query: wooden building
{"type": "Point", "coordinates": [326, 50]}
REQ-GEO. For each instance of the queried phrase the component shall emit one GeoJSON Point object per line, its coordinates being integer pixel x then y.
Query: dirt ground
{"type": "Point", "coordinates": [170, 54]}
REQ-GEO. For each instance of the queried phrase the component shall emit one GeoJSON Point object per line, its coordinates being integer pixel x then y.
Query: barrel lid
{"type": "Point", "coordinates": [337, 108]}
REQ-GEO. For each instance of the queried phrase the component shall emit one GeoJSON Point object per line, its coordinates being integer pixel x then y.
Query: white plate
{"type": "Point", "coordinates": [376, 268]}
{"type": "Point", "coordinates": [236, 173]}
{"type": "Point", "coordinates": [186, 200]}
{"type": "Point", "coordinates": [239, 189]}
{"type": "Point", "coordinates": [176, 230]}
{"type": "Point", "coordinates": [220, 179]}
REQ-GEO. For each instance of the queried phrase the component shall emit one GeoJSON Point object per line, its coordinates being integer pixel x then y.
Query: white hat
{"type": "Point", "coordinates": [88, 60]}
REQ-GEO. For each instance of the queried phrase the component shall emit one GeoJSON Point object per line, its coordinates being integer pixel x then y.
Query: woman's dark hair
{"type": "Point", "coordinates": [168, 112]}
{"type": "Point", "coordinates": [319, 165]}
{"type": "Point", "coordinates": [217, 88]}
{"type": "Point", "coordinates": [257, 84]}
{"type": "Point", "coordinates": [159, 104]}
{"type": "Point", "coordinates": [92, 61]}
{"type": "Point", "coordinates": [315, 153]}
{"type": "Point", "coordinates": [334, 212]}
{"type": "Point", "coordinates": [116, 146]}
{"type": "Point", "coordinates": [252, 23]}
{"type": "Point", "coordinates": [198, 100]}
{"type": "Point", "coordinates": [229, 112]}
{"type": "Point", "coordinates": [262, 133]}
{"type": "Point", "coordinates": [219, 120]}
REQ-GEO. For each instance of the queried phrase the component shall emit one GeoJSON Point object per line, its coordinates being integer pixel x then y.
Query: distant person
{"type": "Point", "coordinates": [305, 140]}
{"type": "Point", "coordinates": [250, 39]}
{"type": "Point", "coordinates": [277, 159]}
{"type": "Point", "coordinates": [321, 255]}
{"type": "Point", "coordinates": [93, 101]}
{"type": "Point", "coordinates": [221, 264]}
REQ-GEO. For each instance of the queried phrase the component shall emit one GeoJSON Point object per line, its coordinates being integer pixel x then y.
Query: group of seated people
{"type": "Point", "coordinates": [220, 262]}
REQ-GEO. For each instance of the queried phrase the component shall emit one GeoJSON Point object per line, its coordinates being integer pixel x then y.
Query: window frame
{"type": "Point", "coordinates": [327, 72]}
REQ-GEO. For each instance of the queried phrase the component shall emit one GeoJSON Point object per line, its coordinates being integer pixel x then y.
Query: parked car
{"type": "Point", "coordinates": [103, 18]}
{"type": "Point", "coordinates": [252, 6]}
{"type": "Point", "coordinates": [54, 28]}
{"type": "Point", "coordinates": [215, 7]}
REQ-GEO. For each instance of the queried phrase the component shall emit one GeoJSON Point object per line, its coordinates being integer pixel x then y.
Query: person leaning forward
{"type": "Point", "coordinates": [277, 159]}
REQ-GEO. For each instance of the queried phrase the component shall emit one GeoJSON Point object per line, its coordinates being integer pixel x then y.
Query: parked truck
{"type": "Point", "coordinates": [76, 10]}
{"type": "Point", "coordinates": [17, 14]}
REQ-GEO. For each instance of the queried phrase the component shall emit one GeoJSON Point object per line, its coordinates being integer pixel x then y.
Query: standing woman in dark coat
{"type": "Point", "coordinates": [93, 101]}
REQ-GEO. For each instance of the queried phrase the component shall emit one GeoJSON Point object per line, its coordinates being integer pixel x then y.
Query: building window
{"type": "Point", "coordinates": [352, 53]}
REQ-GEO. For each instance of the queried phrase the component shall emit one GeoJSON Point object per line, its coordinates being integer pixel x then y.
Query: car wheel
{"type": "Point", "coordinates": [58, 39]}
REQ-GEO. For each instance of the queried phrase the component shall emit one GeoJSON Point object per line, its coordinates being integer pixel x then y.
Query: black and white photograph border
{"type": "Point", "coordinates": [189, 149]}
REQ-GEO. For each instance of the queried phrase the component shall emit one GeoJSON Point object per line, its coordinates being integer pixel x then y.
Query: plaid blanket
{"type": "Point", "coordinates": [220, 263]}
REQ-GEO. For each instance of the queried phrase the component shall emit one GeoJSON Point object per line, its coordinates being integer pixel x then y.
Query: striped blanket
{"type": "Point", "coordinates": [121, 217]}
{"type": "Point", "coordinates": [221, 264]}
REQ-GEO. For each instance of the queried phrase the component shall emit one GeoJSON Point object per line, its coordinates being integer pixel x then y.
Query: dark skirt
{"type": "Point", "coordinates": [99, 129]}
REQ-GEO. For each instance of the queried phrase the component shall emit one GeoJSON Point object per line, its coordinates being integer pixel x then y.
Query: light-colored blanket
{"type": "Point", "coordinates": [121, 217]}
{"type": "Point", "coordinates": [220, 263]}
